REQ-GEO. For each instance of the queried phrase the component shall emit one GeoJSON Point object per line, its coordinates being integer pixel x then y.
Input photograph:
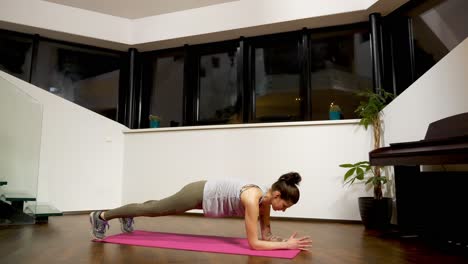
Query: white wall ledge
{"type": "Point", "coordinates": [213, 23]}
{"type": "Point", "coordinates": [240, 126]}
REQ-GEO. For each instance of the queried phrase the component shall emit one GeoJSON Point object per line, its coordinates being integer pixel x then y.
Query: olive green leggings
{"type": "Point", "coordinates": [189, 197]}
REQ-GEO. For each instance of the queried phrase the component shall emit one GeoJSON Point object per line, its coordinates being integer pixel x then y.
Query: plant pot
{"type": "Point", "coordinates": [154, 123]}
{"type": "Point", "coordinates": [375, 214]}
{"type": "Point", "coordinates": [335, 115]}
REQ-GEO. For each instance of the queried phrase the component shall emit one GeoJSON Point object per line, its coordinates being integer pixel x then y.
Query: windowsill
{"type": "Point", "coordinates": [240, 126]}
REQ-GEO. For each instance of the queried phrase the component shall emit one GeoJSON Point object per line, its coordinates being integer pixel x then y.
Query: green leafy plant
{"type": "Point", "coordinates": [369, 111]}
{"type": "Point", "coordinates": [334, 107]}
{"type": "Point", "coordinates": [154, 118]}
{"type": "Point", "coordinates": [359, 171]}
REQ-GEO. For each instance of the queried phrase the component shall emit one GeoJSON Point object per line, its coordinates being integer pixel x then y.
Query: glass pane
{"type": "Point", "coordinates": [340, 66]}
{"type": "Point", "coordinates": [168, 90]}
{"type": "Point", "coordinates": [86, 77]}
{"type": "Point", "coordinates": [277, 82]}
{"type": "Point", "coordinates": [219, 99]}
{"type": "Point", "coordinates": [15, 56]}
{"type": "Point", "coordinates": [437, 31]}
{"type": "Point", "coordinates": [20, 141]}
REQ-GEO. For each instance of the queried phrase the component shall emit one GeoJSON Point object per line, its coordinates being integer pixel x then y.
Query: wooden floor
{"type": "Point", "coordinates": [67, 239]}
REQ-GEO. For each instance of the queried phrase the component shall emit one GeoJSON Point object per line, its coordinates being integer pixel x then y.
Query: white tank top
{"type": "Point", "coordinates": [221, 198]}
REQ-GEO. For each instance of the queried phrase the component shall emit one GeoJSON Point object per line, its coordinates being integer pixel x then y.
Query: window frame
{"type": "Point", "coordinates": [193, 85]}
{"type": "Point", "coordinates": [148, 60]}
{"type": "Point", "coordinates": [121, 89]}
{"type": "Point", "coordinates": [265, 41]}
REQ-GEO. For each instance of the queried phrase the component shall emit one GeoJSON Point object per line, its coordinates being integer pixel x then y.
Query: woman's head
{"type": "Point", "coordinates": [285, 191]}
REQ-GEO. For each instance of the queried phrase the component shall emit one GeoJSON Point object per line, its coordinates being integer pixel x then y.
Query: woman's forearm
{"type": "Point", "coordinates": [268, 245]}
{"type": "Point", "coordinates": [294, 242]}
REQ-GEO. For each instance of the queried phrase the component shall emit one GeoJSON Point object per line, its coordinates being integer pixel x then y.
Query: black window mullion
{"type": "Point", "coordinates": [399, 71]}
{"type": "Point", "coordinates": [241, 78]}
{"type": "Point", "coordinates": [196, 86]}
{"type": "Point", "coordinates": [187, 105]}
{"type": "Point", "coordinates": [134, 96]}
{"type": "Point", "coordinates": [411, 49]}
{"type": "Point", "coordinates": [251, 81]}
{"type": "Point", "coordinates": [376, 50]}
{"type": "Point", "coordinates": [33, 61]}
{"type": "Point", "coordinates": [146, 84]}
{"type": "Point", "coordinates": [123, 102]}
{"type": "Point", "coordinates": [190, 80]}
{"type": "Point", "coordinates": [305, 74]}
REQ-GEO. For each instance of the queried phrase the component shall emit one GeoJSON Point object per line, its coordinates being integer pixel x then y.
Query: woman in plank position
{"type": "Point", "coordinates": [219, 199]}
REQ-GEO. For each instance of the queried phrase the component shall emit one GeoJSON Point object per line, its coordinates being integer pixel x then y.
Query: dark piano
{"type": "Point", "coordinates": [431, 204]}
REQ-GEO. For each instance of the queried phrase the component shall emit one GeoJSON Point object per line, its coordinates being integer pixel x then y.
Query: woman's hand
{"type": "Point", "coordinates": [276, 239]}
{"type": "Point", "coordinates": [302, 243]}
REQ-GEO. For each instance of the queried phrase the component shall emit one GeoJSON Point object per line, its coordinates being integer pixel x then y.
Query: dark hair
{"type": "Point", "coordinates": [287, 186]}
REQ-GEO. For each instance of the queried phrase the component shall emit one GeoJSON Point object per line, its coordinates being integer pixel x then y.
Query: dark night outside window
{"type": "Point", "coordinates": [84, 76]}
{"type": "Point", "coordinates": [219, 100]}
{"type": "Point", "coordinates": [15, 56]}
{"type": "Point", "coordinates": [437, 31]}
{"type": "Point", "coordinates": [167, 91]}
{"type": "Point", "coordinates": [277, 81]}
{"type": "Point", "coordinates": [340, 67]}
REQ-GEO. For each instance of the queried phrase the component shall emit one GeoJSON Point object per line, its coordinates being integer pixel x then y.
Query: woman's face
{"type": "Point", "coordinates": [279, 204]}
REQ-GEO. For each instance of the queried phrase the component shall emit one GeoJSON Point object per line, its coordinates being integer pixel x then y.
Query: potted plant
{"type": "Point", "coordinates": [335, 111]}
{"type": "Point", "coordinates": [154, 121]}
{"type": "Point", "coordinates": [375, 211]}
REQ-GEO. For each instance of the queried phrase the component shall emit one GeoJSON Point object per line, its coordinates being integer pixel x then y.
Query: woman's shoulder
{"type": "Point", "coordinates": [251, 196]}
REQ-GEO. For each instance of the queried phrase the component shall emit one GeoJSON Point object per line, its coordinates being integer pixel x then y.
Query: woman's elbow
{"type": "Point", "coordinates": [255, 245]}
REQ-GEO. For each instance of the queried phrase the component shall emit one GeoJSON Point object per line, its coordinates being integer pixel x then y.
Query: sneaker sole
{"type": "Point", "coordinates": [91, 220]}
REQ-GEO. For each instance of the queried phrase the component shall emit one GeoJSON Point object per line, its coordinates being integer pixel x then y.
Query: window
{"type": "Point", "coordinates": [420, 34]}
{"type": "Point", "coordinates": [85, 76]}
{"type": "Point", "coordinates": [340, 67]}
{"type": "Point", "coordinates": [167, 89]}
{"type": "Point", "coordinates": [437, 29]}
{"type": "Point", "coordinates": [276, 79]}
{"type": "Point", "coordinates": [219, 99]}
{"type": "Point", "coordinates": [15, 55]}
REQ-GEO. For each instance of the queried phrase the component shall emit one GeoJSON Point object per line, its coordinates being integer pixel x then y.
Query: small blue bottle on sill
{"type": "Point", "coordinates": [334, 112]}
{"type": "Point", "coordinates": [335, 115]}
{"type": "Point", "coordinates": [154, 121]}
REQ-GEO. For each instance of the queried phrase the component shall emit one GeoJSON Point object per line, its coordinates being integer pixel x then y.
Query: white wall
{"type": "Point", "coordinates": [81, 154]}
{"type": "Point", "coordinates": [158, 164]}
{"type": "Point", "coordinates": [54, 20]}
{"type": "Point", "coordinates": [440, 92]}
{"type": "Point", "coordinates": [199, 25]}
{"type": "Point", "coordinates": [20, 139]}
{"type": "Point", "coordinates": [239, 15]}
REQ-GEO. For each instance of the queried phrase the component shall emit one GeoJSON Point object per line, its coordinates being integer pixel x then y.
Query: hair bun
{"type": "Point", "coordinates": [291, 178]}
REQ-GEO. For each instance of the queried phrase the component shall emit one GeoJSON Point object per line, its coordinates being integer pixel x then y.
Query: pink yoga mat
{"type": "Point", "coordinates": [228, 245]}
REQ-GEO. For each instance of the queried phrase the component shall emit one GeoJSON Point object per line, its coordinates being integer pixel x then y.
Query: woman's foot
{"type": "Point", "coordinates": [126, 224]}
{"type": "Point", "coordinates": [98, 226]}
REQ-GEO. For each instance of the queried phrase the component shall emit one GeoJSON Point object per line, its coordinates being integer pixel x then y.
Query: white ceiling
{"type": "Point", "coordinates": [137, 8]}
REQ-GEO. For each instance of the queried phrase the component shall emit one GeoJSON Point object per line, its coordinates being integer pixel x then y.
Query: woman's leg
{"type": "Point", "coordinates": [189, 197]}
